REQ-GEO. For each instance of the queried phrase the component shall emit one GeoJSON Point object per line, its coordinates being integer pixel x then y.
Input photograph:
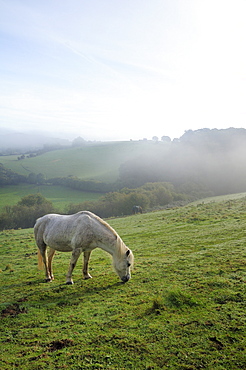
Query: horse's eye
{"type": "Point", "coordinates": [128, 264]}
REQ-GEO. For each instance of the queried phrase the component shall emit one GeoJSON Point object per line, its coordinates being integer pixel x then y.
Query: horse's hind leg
{"type": "Point", "coordinates": [45, 261]}
{"type": "Point", "coordinates": [85, 266]}
{"type": "Point", "coordinates": [74, 258]}
{"type": "Point", "coordinates": [50, 257]}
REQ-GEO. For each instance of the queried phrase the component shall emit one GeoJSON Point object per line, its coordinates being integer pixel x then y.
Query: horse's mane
{"type": "Point", "coordinates": [119, 242]}
{"type": "Point", "coordinates": [100, 220]}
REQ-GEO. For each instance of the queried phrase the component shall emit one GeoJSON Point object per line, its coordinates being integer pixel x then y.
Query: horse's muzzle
{"type": "Point", "coordinates": [125, 278]}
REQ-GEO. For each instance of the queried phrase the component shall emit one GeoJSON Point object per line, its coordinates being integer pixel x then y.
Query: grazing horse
{"type": "Point", "coordinates": [137, 209]}
{"type": "Point", "coordinates": [81, 232]}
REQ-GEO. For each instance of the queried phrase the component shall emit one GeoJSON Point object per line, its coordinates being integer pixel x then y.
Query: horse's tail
{"type": "Point", "coordinates": [40, 261]}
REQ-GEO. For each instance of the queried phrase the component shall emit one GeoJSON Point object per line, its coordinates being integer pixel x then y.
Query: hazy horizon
{"type": "Point", "coordinates": [122, 70]}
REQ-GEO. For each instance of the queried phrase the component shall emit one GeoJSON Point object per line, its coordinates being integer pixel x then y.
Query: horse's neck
{"type": "Point", "coordinates": [112, 246]}
{"type": "Point", "coordinates": [108, 239]}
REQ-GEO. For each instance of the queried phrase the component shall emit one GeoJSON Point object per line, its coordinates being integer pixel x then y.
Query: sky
{"type": "Point", "coordinates": [122, 70]}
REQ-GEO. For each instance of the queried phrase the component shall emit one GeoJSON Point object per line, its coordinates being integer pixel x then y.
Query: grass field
{"type": "Point", "coordinates": [184, 307]}
{"type": "Point", "coordinates": [58, 195]}
{"type": "Point", "coordinates": [219, 198]}
{"type": "Point", "coordinates": [99, 162]}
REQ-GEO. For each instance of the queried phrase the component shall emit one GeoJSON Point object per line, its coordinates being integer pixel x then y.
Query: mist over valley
{"type": "Point", "coordinates": [152, 173]}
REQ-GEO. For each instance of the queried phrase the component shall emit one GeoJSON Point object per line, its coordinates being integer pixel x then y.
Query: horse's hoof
{"type": "Point", "coordinates": [87, 277]}
{"type": "Point", "coordinates": [48, 280]}
{"type": "Point", "coordinates": [69, 282]}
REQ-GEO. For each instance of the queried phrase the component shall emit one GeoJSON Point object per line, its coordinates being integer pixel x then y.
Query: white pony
{"type": "Point", "coordinates": [81, 232]}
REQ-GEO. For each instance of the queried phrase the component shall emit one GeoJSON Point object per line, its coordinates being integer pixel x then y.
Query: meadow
{"type": "Point", "coordinates": [60, 196]}
{"type": "Point", "coordinates": [94, 162]}
{"type": "Point", "coordinates": [184, 307]}
{"type": "Point", "coordinates": [98, 162]}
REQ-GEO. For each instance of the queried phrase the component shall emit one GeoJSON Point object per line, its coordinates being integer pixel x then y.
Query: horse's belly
{"type": "Point", "coordinates": [61, 248]}
{"type": "Point", "coordinates": [59, 245]}
{"type": "Point", "coordinates": [68, 239]}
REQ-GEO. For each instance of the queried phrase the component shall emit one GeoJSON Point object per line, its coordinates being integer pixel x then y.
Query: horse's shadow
{"type": "Point", "coordinates": [72, 293]}
{"type": "Point", "coordinates": [83, 288]}
{"type": "Point", "coordinates": [61, 294]}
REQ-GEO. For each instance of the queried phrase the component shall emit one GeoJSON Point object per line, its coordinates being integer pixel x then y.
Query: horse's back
{"type": "Point", "coordinates": [63, 231]}
{"type": "Point", "coordinates": [67, 232]}
{"type": "Point", "coordinates": [42, 222]}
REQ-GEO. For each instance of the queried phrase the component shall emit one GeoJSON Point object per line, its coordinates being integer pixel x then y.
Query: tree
{"type": "Point", "coordinates": [8, 177]}
{"type": "Point", "coordinates": [79, 141]}
{"type": "Point", "coordinates": [32, 178]}
{"type": "Point", "coordinates": [155, 138]}
{"type": "Point", "coordinates": [40, 178]}
{"type": "Point", "coordinates": [33, 200]}
{"type": "Point", "coordinates": [166, 139]}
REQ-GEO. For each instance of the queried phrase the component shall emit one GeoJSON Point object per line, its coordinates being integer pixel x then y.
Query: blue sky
{"type": "Point", "coordinates": [120, 70]}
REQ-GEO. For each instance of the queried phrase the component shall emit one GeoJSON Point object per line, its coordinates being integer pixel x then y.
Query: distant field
{"type": "Point", "coordinates": [99, 162]}
{"type": "Point", "coordinates": [60, 196]}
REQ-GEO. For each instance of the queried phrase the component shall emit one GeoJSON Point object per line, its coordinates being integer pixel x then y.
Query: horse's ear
{"type": "Point", "coordinates": [128, 252]}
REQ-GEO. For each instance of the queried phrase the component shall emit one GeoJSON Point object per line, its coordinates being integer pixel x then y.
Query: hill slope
{"type": "Point", "coordinates": [184, 307]}
{"type": "Point", "coordinates": [99, 162]}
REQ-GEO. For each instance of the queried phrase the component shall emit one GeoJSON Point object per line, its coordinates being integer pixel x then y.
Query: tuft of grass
{"type": "Point", "coordinates": [179, 299]}
{"type": "Point", "coordinates": [230, 296]}
{"type": "Point", "coordinates": [218, 282]}
{"type": "Point", "coordinates": [9, 268]}
{"type": "Point", "coordinates": [157, 307]}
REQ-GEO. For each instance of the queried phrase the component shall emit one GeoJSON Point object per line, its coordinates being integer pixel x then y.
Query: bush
{"type": "Point", "coordinates": [121, 203]}
{"type": "Point", "coordinates": [24, 214]}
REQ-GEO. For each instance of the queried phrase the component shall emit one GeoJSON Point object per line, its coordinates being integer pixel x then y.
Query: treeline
{"type": "Point", "coordinates": [74, 182]}
{"type": "Point", "coordinates": [25, 212]}
{"type": "Point", "coordinates": [148, 196]}
{"type": "Point", "coordinates": [8, 177]}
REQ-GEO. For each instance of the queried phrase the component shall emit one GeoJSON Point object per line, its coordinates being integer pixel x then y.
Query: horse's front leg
{"type": "Point", "coordinates": [85, 266]}
{"type": "Point", "coordinates": [50, 257]}
{"type": "Point", "coordinates": [74, 258]}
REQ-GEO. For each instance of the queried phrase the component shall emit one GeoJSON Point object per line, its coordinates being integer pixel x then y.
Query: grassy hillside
{"type": "Point", "coordinates": [184, 307]}
{"type": "Point", "coordinates": [100, 162]}
{"type": "Point", "coordinates": [219, 198]}
{"type": "Point", "coordinates": [58, 195]}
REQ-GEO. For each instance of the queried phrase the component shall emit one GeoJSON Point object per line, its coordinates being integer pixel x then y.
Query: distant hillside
{"type": "Point", "coordinates": [98, 162]}
{"type": "Point", "coordinates": [202, 161]}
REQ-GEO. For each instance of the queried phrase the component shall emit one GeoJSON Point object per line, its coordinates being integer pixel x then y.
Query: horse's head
{"type": "Point", "coordinates": [123, 265]}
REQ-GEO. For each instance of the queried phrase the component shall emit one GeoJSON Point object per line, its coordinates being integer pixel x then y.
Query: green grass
{"type": "Point", "coordinates": [58, 195]}
{"type": "Point", "coordinates": [220, 198]}
{"type": "Point", "coordinates": [184, 307]}
{"type": "Point", "coordinates": [96, 162]}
